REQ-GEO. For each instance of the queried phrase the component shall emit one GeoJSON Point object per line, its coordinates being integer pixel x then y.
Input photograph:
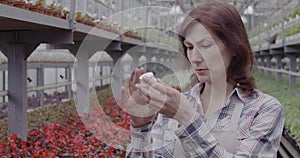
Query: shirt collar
{"type": "Point", "coordinates": [195, 92]}
{"type": "Point", "coordinates": [239, 93]}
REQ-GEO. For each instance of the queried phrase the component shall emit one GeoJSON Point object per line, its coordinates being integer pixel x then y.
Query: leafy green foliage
{"type": "Point", "coordinates": [289, 98]}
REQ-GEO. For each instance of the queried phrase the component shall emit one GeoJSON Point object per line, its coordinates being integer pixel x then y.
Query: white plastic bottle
{"type": "Point", "coordinates": [147, 75]}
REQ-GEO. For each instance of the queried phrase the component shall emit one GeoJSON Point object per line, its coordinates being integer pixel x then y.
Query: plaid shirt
{"type": "Point", "coordinates": [259, 130]}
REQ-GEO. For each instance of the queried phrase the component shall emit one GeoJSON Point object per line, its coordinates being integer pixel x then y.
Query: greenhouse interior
{"type": "Point", "coordinates": [63, 63]}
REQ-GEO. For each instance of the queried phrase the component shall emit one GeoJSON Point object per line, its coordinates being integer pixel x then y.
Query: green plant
{"type": "Point", "coordinates": [78, 15]}
{"type": "Point", "coordinates": [288, 96]}
{"type": "Point", "coordinates": [41, 3]}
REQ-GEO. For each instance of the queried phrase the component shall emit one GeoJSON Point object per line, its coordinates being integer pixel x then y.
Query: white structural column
{"type": "Point", "coordinates": [292, 79]}
{"type": "Point", "coordinates": [17, 87]}
{"type": "Point", "coordinates": [262, 63]}
{"type": "Point", "coordinates": [4, 84]}
{"type": "Point", "coordinates": [117, 76]}
{"type": "Point", "coordinates": [101, 74]}
{"type": "Point", "coordinates": [82, 78]}
{"type": "Point", "coordinates": [164, 57]}
{"type": "Point", "coordinates": [17, 45]}
{"type": "Point", "coordinates": [136, 53]}
{"type": "Point", "coordinates": [115, 51]}
{"type": "Point", "coordinates": [150, 52]}
{"type": "Point", "coordinates": [69, 79]}
{"type": "Point", "coordinates": [81, 72]}
{"type": "Point", "coordinates": [148, 56]}
{"type": "Point", "coordinates": [171, 59]}
{"type": "Point", "coordinates": [278, 66]}
{"type": "Point", "coordinates": [40, 82]}
{"type": "Point", "coordinates": [135, 57]}
{"type": "Point", "coordinates": [269, 65]}
{"type": "Point", "coordinates": [167, 58]}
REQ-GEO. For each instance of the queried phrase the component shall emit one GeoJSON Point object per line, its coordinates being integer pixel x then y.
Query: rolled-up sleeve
{"type": "Point", "coordinates": [139, 141]}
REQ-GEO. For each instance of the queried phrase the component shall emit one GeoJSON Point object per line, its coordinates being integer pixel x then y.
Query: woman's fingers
{"type": "Point", "coordinates": [161, 87]}
{"type": "Point", "coordinates": [157, 91]}
{"type": "Point", "coordinates": [163, 98]}
{"type": "Point", "coordinates": [160, 81]}
{"type": "Point", "coordinates": [138, 72]}
{"type": "Point", "coordinates": [125, 95]}
{"type": "Point", "coordinates": [138, 108]}
{"type": "Point", "coordinates": [128, 87]}
{"type": "Point", "coordinates": [154, 97]}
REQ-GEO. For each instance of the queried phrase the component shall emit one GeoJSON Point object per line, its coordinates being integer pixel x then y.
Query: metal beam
{"type": "Point", "coordinates": [37, 36]}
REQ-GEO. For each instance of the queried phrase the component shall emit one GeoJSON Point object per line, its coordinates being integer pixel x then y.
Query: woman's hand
{"type": "Point", "coordinates": [167, 100]}
{"type": "Point", "coordinates": [135, 103]}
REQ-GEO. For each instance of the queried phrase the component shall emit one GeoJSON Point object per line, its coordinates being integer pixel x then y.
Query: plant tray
{"type": "Point", "coordinates": [290, 143]}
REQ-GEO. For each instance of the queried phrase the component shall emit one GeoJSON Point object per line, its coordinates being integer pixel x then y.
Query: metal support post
{"type": "Point", "coordinates": [69, 79]}
{"type": "Point", "coordinates": [292, 79]}
{"type": "Point", "coordinates": [40, 82]}
{"type": "Point", "coordinates": [148, 57]}
{"type": "Point", "coordinates": [71, 17]}
{"type": "Point", "coordinates": [101, 74]}
{"type": "Point", "coordinates": [117, 75]}
{"type": "Point", "coordinates": [135, 57]}
{"type": "Point", "coordinates": [278, 66]}
{"type": "Point", "coordinates": [94, 76]}
{"type": "Point", "coordinates": [158, 26]}
{"type": "Point", "coordinates": [4, 83]}
{"type": "Point", "coordinates": [17, 85]}
{"type": "Point", "coordinates": [269, 65]}
{"type": "Point", "coordinates": [282, 21]}
{"type": "Point", "coordinates": [262, 62]}
{"type": "Point", "coordinates": [82, 78]}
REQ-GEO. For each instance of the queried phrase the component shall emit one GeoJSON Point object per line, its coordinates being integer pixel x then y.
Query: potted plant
{"type": "Point", "coordinates": [10, 2]}
{"type": "Point", "coordinates": [53, 8]}
{"type": "Point", "coordinates": [65, 13]}
{"type": "Point", "coordinates": [115, 27]}
{"type": "Point", "coordinates": [21, 4]}
{"type": "Point", "coordinates": [36, 7]}
{"type": "Point", "coordinates": [41, 5]}
{"type": "Point", "coordinates": [88, 19]}
{"type": "Point", "coordinates": [32, 6]}
{"type": "Point", "coordinates": [59, 10]}
{"type": "Point", "coordinates": [3, 2]}
{"type": "Point", "coordinates": [100, 23]}
{"type": "Point", "coordinates": [79, 17]}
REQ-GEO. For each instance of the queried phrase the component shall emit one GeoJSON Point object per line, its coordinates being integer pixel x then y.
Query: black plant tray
{"type": "Point", "coordinates": [290, 144]}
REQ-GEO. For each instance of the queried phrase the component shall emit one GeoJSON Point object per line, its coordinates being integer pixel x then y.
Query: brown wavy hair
{"type": "Point", "coordinates": [225, 22]}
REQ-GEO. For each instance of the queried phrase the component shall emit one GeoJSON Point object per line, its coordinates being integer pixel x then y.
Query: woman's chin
{"type": "Point", "coordinates": [203, 79]}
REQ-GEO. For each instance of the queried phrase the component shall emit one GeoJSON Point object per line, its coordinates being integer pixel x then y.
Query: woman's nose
{"type": "Point", "coordinates": [196, 56]}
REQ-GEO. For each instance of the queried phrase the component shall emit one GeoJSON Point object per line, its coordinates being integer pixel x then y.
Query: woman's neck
{"type": "Point", "coordinates": [207, 98]}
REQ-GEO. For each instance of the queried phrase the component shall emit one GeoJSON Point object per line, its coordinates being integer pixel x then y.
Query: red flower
{"type": "Point", "coordinates": [13, 137]}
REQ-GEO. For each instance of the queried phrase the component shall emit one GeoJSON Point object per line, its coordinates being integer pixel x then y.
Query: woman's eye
{"type": "Point", "coordinates": [206, 45]}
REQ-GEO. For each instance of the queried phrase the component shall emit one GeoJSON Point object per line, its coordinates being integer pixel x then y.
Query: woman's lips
{"type": "Point", "coordinates": [201, 70]}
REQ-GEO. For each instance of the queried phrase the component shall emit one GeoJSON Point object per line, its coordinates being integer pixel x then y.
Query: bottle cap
{"type": "Point", "coordinates": [148, 75]}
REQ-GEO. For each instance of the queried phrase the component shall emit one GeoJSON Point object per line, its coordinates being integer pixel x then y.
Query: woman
{"type": "Point", "coordinates": [223, 115]}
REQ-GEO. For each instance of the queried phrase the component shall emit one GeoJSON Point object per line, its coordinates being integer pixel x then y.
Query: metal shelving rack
{"type": "Point", "coordinates": [21, 31]}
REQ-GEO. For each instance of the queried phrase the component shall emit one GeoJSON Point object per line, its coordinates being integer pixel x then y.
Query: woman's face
{"type": "Point", "coordinates": [206, 53]}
